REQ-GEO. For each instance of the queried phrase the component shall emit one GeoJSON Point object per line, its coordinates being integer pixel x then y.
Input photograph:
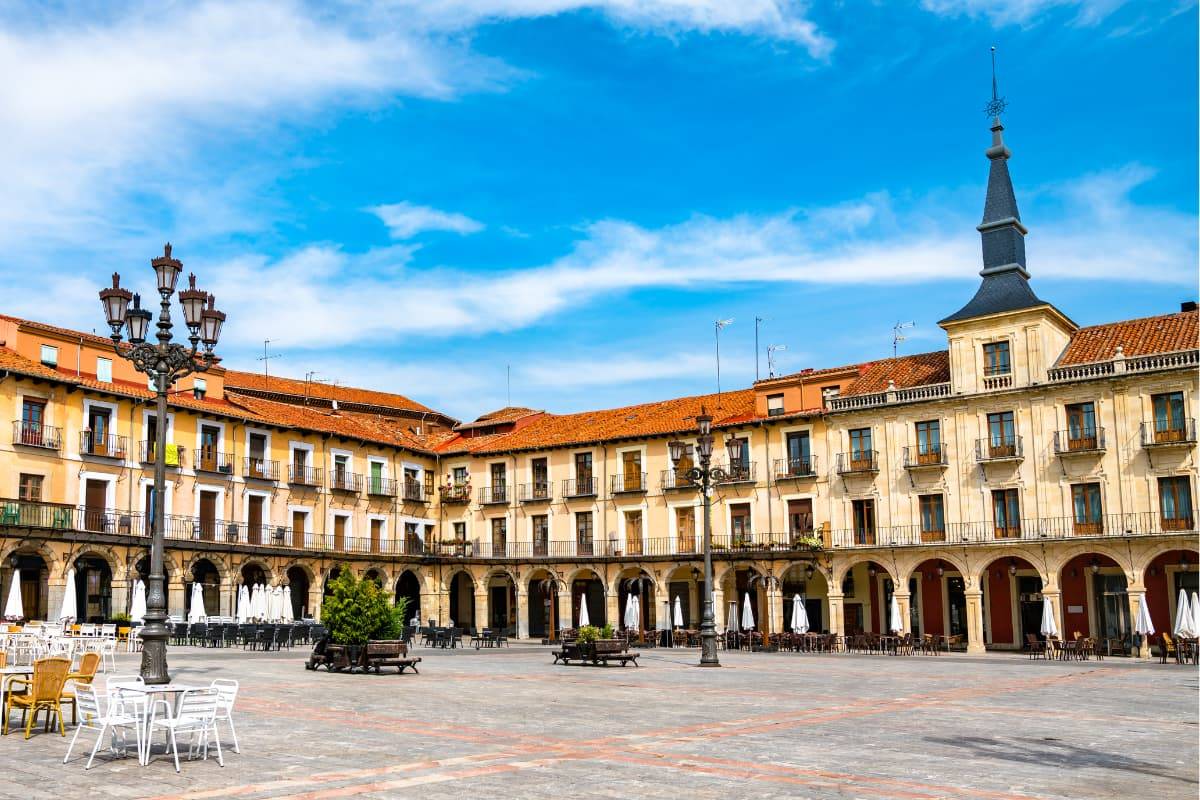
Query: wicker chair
{"type": "Point", "coordinates": [88, 666]}
{"type": "Point", "coordinates": [45, 694]}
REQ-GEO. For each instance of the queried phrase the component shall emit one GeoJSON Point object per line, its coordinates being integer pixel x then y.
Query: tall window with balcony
{"type": "Point", "coordinates": [1169, 422]}
{"type": "Point", "coordinates": [206, 525]}
{"type": "Point", "coordinates": [677, 477]}
{"type": "Point", "coordinates": [631, 471]}
{"type": "Point", "coordinates": [257, 464]}
{"type": "Point", "coordinates": [739, 468]}
{"type": "Point", "coordinates": [1085, 503]}
{"type": "Point", "coordinates": [255, 518]}
{"type": "Point", "coordinates": [685, 529]}
{"type": "Point", "coordinates": [1002, 435]}
{"type": "Point", "coordinates": [300, 528]}
{"type": "Point", "coordinates": [375, 476]}
{"type": "Point", "coordinates": [412, 538]}
{"type": "Point", "coordinates": [340, 479]}
{"type": "Point", "coordinates": [1175, 503]}
{"type": "Point", "coordinates": [340, 523]}
{"type": "Point", "coordinates": [583, 467]}
{"type": "Point", "coordinates": [933, 517]}
{"type": "Point", "coordinates": [499, 491]}
{"type": "Point", "coordinates": [929, 442]}
{"type": "Point", "coordinates": [800, 517]}
{"type": "Point", "coordinates": [863, 512]}
{"type": "Point", "coordinates": [541, 535]}
{"type": "Point", "coordinates": [539, 470]}
{"type": "Point", "coordinates": [98, 439]}
{"type": "Point", "coordinates": [996, 359]}
{"type": "Point", "coordinates": [1006, 513]}
{"type": "Point", "coordinates": [799, 454]}
{"type": "Point", "coordinates": [740, 528]}
{"type": "Point", "coordinates": [862, 456]}
{"type": "Point", "coordinates": [32, 429]}
{"type": "Point", "coordinates": [633, 532]}
{"type": "Point", "coordinates": [499, 537]}
{"type": "Point", "coordinates": [1081, 426]}
{"type": "Point", "coordinates": [413, 489]}
{"type": "Point", "coordinates": [377, 536]}
{"type": "Point", "coordinates": [583, 533]}
{"type": "Point", "coordinates": [210, 457]}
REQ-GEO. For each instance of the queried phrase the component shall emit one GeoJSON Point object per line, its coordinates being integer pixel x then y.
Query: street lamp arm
{"type": "Point", "coordinates": [174, 361]}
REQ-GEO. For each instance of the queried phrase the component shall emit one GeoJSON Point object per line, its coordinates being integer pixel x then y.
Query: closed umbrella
{"type": "Point", "coordinates": [1195, 614]}
{"type": "Point", "coordinates": [731, 620]}
{"type": "Point", "coordinates": [799, 615]}
{"type": "Point", "coordinates": [287, 615]}
{"type": "Point", "coordinates": [262, 601]}
{"type": "Point", "coordinates": [895, 623]}
{"type": "Point", "coordinates": [137, 609]}
{"type": "Point", "coordinates": [1049, 623]}
{"type": "Point", "coordinates": [277, 603]}
{"type": "Point", "coordinates": [747, 613]}
{"type": "Point", "coordinates": [633, 613]}
{"type": "Point", "coordinates": [70, 608]}
{"type": "Point", "coordinates": [583, 612]}
{"type": "Point", "coordinates": [251, 601]}
{"type": "Point", "coordinates": [13, 608]}
{"type": "Point", "coordinates": [243, 602]}
{"type": "Point", "coordinates": [1144, 626]}
{"type": "Point", "coordinates": [1183, 617]}
{"type": "Point", "coordinates": [196, 612]}
{"type": "Point", "coordinates": [678, 613]}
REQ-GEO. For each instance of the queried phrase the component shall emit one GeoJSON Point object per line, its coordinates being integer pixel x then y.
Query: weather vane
{"type": "Point", "coordinates": [997, 105]}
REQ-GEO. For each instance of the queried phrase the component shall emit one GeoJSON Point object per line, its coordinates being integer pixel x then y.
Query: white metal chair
{"type": "Point", "coordinates": [196, 714]}
{"type": "Point", "coordinates": [120, 713]}
{"type": "Point", "coordinates": [227, 690]}
{"type": "Point", "coordinates": [107, 647]}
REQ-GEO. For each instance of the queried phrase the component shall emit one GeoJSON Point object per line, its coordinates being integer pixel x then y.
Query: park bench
{"type": "Point", "coordinates": [388, 653]}
{"type": "Point", "coordinates": [605, 650]}
{"type": "Point", "coordinates": [568, 651]}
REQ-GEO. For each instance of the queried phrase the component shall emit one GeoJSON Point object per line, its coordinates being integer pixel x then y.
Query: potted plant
{"type": "Point", "coordinates": [358, 611]}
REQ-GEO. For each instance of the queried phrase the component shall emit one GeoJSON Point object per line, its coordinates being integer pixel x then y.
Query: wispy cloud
{"type": "Point", "coordinates": [1026, 12]}
{"type": "Point", "coordinates": [405, 220]}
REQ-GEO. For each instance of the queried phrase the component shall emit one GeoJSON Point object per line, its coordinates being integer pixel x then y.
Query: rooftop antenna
{"type": "Point", "coordinates": [310, 377]}
{"type": "Point", "coordinates": [267, 356]}
{"type": "Point", "coordinates": [898, 335]}
{"type": "Point", "coordinates": [771, 350]}
{"type": "Point", "coordinates": [997, 104]}
{"type": "Point", "coordinates": [719, 326]}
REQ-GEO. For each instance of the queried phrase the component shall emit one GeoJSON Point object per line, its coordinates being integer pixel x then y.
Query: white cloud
{"type": "Point", "coordinates": [405, 220]}
{"type": "Point", "coordinates": [1026, 12]}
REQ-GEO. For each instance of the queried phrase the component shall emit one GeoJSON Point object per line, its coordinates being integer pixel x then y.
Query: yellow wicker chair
{"type": "Point", "coordinates": [88, 665]}
{"type": "Point", "coordinates": [45, 691]}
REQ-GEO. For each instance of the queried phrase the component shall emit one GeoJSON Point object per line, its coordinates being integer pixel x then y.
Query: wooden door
{"type": "Point", "coordinates": [254, 519]}
{"type": "Point", "coordinates": [298, 518]}
{"type": "Point", "coordinates": [208, 516]}
{"type": "Point", "coordinates": [633, 533]}
{"type": "Point", "coordinates": [95, 501]}
{"type": "Point", "coordinates": [632, 468]}
{"type": "Point", "coordinates": [208, 448]}
{"type": "Point", "coordinates": [685, 529]}
{"type": "Point", "coordinates": [98, 424]}
{"type": "Point", "coordinates": [339, 533]}
{"type": "Point", "coordinates": [376, 535]}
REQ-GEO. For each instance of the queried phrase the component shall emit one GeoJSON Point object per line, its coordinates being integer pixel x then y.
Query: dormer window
{"type": "Point", "coordinates": [996, 359]}
{"type": "Point", "coordinates": [49, 355]}
{"type": "Point", "coordinates": [774, 405]}
{"type": "Point", "coordinates": [199, 388]}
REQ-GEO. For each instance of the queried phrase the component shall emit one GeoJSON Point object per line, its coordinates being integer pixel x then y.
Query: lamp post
{"type": "Point", "coordinates": [164, 363]}
{"type": "Point", "coordinates": [706, 476]}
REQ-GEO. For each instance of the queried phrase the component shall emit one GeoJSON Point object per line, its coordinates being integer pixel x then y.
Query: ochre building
{"type": "Point", "coordinates": [1030, 458]}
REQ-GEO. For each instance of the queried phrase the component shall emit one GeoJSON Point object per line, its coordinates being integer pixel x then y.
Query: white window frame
{"type": "Point", "coordinates": [209, 487]}
{"type": "Point", "coordinates": [307, 511]}
{"type": "Point", "coordinates": [623, 511]}
{"type": "Point", "coordinates": [101, 360]}
{"type": "Point", "coordinates": [268, 521]}
{"type": "Point", "coordinates": [337, 451]}
{"type": "Point", "coordinates": [673, 523]}
{"type": "Point", "coordinates": [42, 352]}
{"type": "Point", "coordinates": [220, 426]}
{"type": "Point", "coordinates": [110, 492]}
{"type": "Point", "coordinates": [261, 432]}
{"type": "Point", "coordinates": [384, 533]}
{"type": "Point", "coordinates": [349, 536]}
{"type": "Point", "coordinates": [308, 449]}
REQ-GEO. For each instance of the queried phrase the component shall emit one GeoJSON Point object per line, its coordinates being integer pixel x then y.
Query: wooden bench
{"type": "Point", "coordinates": [389, 653]}
{"type": "Point", "coordinates": [605, 650]}
{"type": "Point", "coordinates": [568, 652]}
{"type": "Point", "coordinates": [328, 655]}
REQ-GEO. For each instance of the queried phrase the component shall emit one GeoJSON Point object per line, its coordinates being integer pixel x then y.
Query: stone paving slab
{"type": "Point", "coordinates": [505, 723]}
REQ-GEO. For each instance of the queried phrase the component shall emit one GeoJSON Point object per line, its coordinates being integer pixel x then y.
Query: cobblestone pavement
{"type": "Point", "coordinates": [505, 723]}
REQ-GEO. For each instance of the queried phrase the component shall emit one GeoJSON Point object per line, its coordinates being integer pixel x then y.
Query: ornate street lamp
{"type": "Point", "coordinates": [706, 476]}
{"type": "Point", "coordinates": [165, 363]}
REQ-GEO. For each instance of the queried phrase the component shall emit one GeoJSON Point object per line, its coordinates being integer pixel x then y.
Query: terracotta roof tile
{"type": "Point", "coordinates": [1136, 337]}
{"type": "Point", "coordinates": [921, 369]}
{"type": "Point", "coordinates": [251, 381]}
{"type": "Point", "coordinates": [348, 424]}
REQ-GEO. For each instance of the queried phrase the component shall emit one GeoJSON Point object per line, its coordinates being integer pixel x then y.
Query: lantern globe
{"type": "Point", "coordinates": [704, 447]}
{"type": "Point", "coordinates": [192, 300]}
{"type": "Point", "coordinates": [704, 422]}
{"type": "Point", "coordinates": [116, 303]}
{"type": "Point", "coordinates": [675, 448]}
{"type": "Point", "coordinates": [137, 321]}
{"type": "Point", "coordinates": [167, 270]}
{"type": "Point", "coordinates": [733, 448]}
{"type": "Point", "coordinates": [210, 324]}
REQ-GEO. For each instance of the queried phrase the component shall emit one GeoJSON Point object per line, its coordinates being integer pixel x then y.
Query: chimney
{"type": "Point", "coordinates": [1187, 305]}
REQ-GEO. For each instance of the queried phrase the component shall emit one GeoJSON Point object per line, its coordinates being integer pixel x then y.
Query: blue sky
{"type": "Point", "coordinates": [413, 195]}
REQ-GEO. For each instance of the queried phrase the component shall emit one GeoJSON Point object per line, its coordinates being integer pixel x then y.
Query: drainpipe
{"type": "Point", "coordinates": [603, 503]}
{"type": "Point", "coordinates": [79, 358]}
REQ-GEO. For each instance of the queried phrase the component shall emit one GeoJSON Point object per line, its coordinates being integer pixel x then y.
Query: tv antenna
{"type": "Point", "coordinates": [267, 356]}
{"type": "Point", "coordinates": [771, 350]}
{"type": "Point", "coordinates": [898, 335]}
{"type": "Point", "coordinates": [997, 104]}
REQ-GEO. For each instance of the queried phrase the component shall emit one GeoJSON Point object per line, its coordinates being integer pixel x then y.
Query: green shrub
{"type": "Point", "coordinates": [120, 619]}
{"type": "Point", "coordinates": [607, 631]}
{"type": "Point", "coordinates": [356, 612]}
{"type": "Point", "coordinates": [587, 634]}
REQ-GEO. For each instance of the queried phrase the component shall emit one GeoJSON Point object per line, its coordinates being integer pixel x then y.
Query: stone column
{"type": "Point", "coordinates": [719, 610]}
{"type": "Point", "coordinates": [431, 606]}
{"type": "Point", "coordinates": [837, 615]}
{"type": "Point", "coordinates": [55, 590]}
{"type": "Point", "coordinates": [612, 609]}
{"type": "Point", "coordinates": [904, 601]}
{"type": "Point", "coordinates": [1136, 598]}
{"type": "Point", "coordinates": [774, 619]}
{"type": "Point", "coordinates": [120, 597]}
{"type": "Point", "coordinates": [694, 609]}
{"type": "Point", "coordinates": [176, 596]}
{"type": "Point", "coordinates": [1054, 595]}
{"type": "Point", "coordinates": [975, 643]}
{"type": "Point", "coordinates": [562, 612]}
{"type": "Point", "coordinates": [482, 603]}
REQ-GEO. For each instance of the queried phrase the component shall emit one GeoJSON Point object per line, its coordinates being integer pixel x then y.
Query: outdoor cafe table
{"type": "Point", "coordinates": [153, 692]}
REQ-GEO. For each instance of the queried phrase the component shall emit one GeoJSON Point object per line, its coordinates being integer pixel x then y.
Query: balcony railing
{"type": "Point", "coordinates": [672, 479]}
{"type": "Point", "coordinates": [795, 468]}
{"type": "Point", "coordinates": [1176, 434]}
{"type": "Point", "coordinates": [214, 461]}
{"type": "Point", "coordinates": [494, 495]}
{"type": "Point", "coordinates": [924, 457]}
{"type": "Point", "coordinates": [456, 494]}
{"type": "Point", "coordinates": [1007, 448]}
{"type": "Point", "coordinates": [536, 492]}
{"type": "Point", "coordinates": [581, 487]}
{"type": "Point", "coordinates": [738, 473]}
{"type": "Point", "coordinates": [627, 483]}
{"type": "Point", "coordinates": [35, 434]}
{"type": "Point", "coordinates": [863, 462]}
{"type": "Point", "coordinates": [300, 475]}
{"type": "Point", "coordinates": [262, 469]}
{"type": "Point", "coordinates": [381, 487]}
{"type": "Point", "coordinates": [340, 481]}
{"type": "Point", "coordinates": [1085, 440]}
{"type": "Point", "coordinates": [414, 492]}
{"type": "Point", "coordinates": [147, 451]}
{"type": "Point", "coordinates": [91, 444]}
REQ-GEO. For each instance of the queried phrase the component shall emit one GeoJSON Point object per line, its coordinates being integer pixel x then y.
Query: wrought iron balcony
{"type": "Point", "coordinates": [456, 494]}
{"type": "Point", "coordinates": [581, 487]}
{"type": "Point", "coordinates": [301, 475]}
{"type": "Point", "coordinates": [863, 462]}
{"type": "Point", "coordinates": [381, 487]}
{"type": "Point", "coordinates": [1083, 441]}
{"type": "Point", "coordinates": [928, 457]}
{"type": "Point", "coordinates": [414, 492]}
{"type": "Point", "coordinates": [677, 480]}
{"type": "Point", "coordinates": [1176, 433]}
{"type": "Point", "coordinates": [214, 461]}
{"type": "Point", "coordinates": [35, 434]}
{"type": "Point", "coordinates": [340, 481]}
{"type": "Point", "coordinates": [174, 452]}
{"type": "Point", "coordinates": [627, 483]}
{"type": "Point", "coordinates": [999, 448]}
{"type": "Point", "coordinates": [738, 473]}
{"type": "Point", "coordinates": [536, 492]}
{"type": "Point", "coordinates": [795, 468]}
{"type": "Point", "coordinates": [494, 495]}
{"type": "Point", "coordinates": [263, 469]}
{"type": "Point", "coordinates": [91, 444]}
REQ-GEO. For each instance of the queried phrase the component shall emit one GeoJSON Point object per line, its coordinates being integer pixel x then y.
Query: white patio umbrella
{"type": "Point", "coordinates": [13, 608]}
{"type": "Point", "coordinates": [196, 612]}
{"type": "Point", "coordinates": [731, 620]}
{"type": "Point", "coordinates": [251, 601]}
{"type": "Point", "coordinates": [70, 607]}
{"type": "Point", "coordinates": [678, 613]}
{"type": "Point", "coordinates": [895, 623]}
{"type": "Point", "coordinates": [799, 615]}
{"type": "Point", "coordinates": [747, 613]}
{"type": "Point", "coordinates": [242, 612]}
{"type": "Point", "coordinates": [1144, 626]}
{"type": "Point", "coordinates": [633, 614]}
{"type": "Point", "coordinates": [277, 603]}
{"type": "Point", "coordinates": [261, 608]}
{"type": "Point", "coordinates": [1049, 623]}
{"type": "Point", "coordinates": [583, 612]}
{"type": "Point", "coordinates": [137, 608]}
{"type": "Point", "coordinates": [1183, 617]}
{"type": "Point", "coordinates": [1195, 614]}
{"type": "Point", "coordinates": [286, 612]}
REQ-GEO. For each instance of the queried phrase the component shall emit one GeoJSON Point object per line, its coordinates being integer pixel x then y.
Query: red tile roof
{"type": "Point", "coordinates": [253, 382]}
{"type": "Point", "coordinates": [921, 369]}
{"type": "Point", "coordinates": [1136, 337]}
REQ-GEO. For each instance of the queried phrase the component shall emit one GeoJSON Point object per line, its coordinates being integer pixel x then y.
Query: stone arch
{"type": "Point", "coordinates": [1158, 548]}
{"type": "Point", "coordinates": [54, 564]}
{"type": "Point", "coordinates": [499, 569]}
{"type": "Point", "coordinates": [1063, 557]}
{"type": "Point", "coordinates": [909, 565]}
{"type": "Point", "coordinates": [841, 571]}
{"type": "Point", "coordinates": [731, 569]}
{"type": "Point", "coordinates": [381, 572]}
{"type": "Point", "coordinates": [216, 559]}
{"type": "Point", "coordinates": [626, 573]}
{"type": "Point", "coordinates": [261, 563]}
{"type": "Point", "coordinates": [1034, 559]}
{"type": "Point", "coordinates": [104, 553]}
{"type": "Point", "coordinates": [303, 565]}
{"type": "Point", "coordinates": [448, 577]}
{"type": "Point", "coordinates": [585, 574]}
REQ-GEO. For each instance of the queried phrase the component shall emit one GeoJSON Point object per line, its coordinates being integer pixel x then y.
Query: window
{"type": "Point", "coordinates": [1006, 513]}
{"type": "Point", "coordinates": [49, 355]}
{"type": "Point", "coordinates": [929, 442]}
{"type": "Point", "coordinates": [864, 521]}
{"type": "Point", "coordinates": [861, 454]}
{"type": "Point", "coordinates": [33, 419]}
{"type": "Point", "coordinates": [686, 461]}
{"type": "Point", "coordinates": [583, 533]}
{"type": "Point", "coordinates": [774, 405]}
{"type": "Point", "coordinates": [799, 453]}
{"type": "Point", "coordinates": [800, 517]}
{"type": "Point", "coordinates": [1169, 425]}
{"type": "Point", "coordinates": [1085, 501]}
{"type": "Point", "coordinates": [1081, 426]}
{"type": "Point", "coordinates": [741, 465]}
{"type": "Point", "coordinates": [104, 370]}
{"type": "Point", "coordinates": [1002, 435]}
{"type": "Point", "coordinates": [685, 529]}
{"type": "Point", "coordinates": [541, 477]}
{"type": "Point", "coordinates": [829, 393]}
{"type": "Point", "coordinates": [460, 531]}
{"type": "Point", "coordinates": [633, 533]}
{"type": "Point", "coordinates": [412, 537]}
{"type": "Point", "coordinates": [933, 517]}
{"type": "Point", "coordinates": [96, 437]}
{"type": "Point", "coordinates": [541, 535]}
{"type": "Point", "coordinates": [995, 359]}
{"type": "Point", "coordinates": [631, 467]}
{"type": "Point", "coordinates": [199, 388]}
{"type": "Point", "coordinates": [459, 476]}
{"type": "Point", "coordinates": [499, 536]}
{"type": "Point", "coordinates": [29, 488]}
{"type": "Point", "coordinates": [210, 438]}
{"type": "Point", "coordinates": [499, 480]}
{"type": "Point", "coordinates": [1175, 502]}
{"type": "Point", "coordinates": [412, 483]}
{"type": "Point", "coordinates": [739, 522]}
{"type": "Point", "coordinates": [583, 468]}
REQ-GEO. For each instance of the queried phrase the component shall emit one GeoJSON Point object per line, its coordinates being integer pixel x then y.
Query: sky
{"type": "Point", "coordinates": [550, 203]}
